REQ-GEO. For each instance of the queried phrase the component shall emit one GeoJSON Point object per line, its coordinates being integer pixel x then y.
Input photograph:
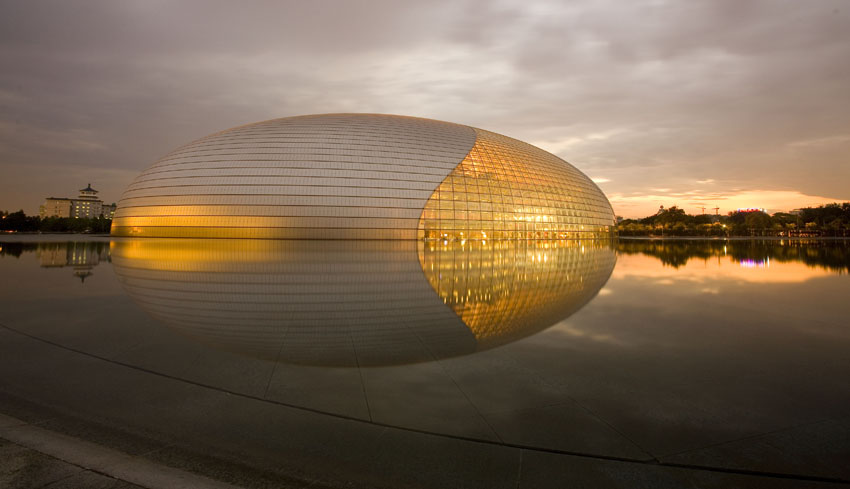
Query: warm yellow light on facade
{"type": "Point", "coordinates": [362, 176]}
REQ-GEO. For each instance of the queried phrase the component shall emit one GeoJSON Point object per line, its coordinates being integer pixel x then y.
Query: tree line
{"type": "Point", "coordinates": [826, 220]}
{"type": "Point", "coordinates": [22, 223]}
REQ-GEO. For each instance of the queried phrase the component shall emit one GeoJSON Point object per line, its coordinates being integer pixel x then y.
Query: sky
{"type": "Point", "coordinates": [716, 103]}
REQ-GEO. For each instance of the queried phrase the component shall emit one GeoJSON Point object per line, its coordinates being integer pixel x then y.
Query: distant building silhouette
{"type": "Point", "coordinates": [85, 205]}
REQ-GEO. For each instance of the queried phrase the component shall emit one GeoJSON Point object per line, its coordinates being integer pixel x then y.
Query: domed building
{"type": "Point", "coordinates": [362, 176]}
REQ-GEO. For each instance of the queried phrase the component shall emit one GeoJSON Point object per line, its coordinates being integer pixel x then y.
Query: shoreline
{"type": "Point", "coordinates": [732, 238]}
{"type": "Point", "coordinates": [21, 237]}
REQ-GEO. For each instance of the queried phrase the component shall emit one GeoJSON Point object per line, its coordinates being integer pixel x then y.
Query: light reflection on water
{"type": "Point", "coordinates": [827, 255]}
{"type": "Point", "coordinates": [338, 303]}
{"type": "Point", "coordinates": [679, 348]}
{"type": "Point", "coordinates": [755, 263]}
{"type": "Point", "coordinates": [733, 261]}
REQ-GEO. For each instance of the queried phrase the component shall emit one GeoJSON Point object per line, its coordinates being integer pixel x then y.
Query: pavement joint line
{"type": "Point", "coordinates": [57, 481]}
{"type": "Point", "coordinates": [10, 422]}
{"type": "Point", "coordinates": [102, 460]}
{"type": "Point", "coordinates": [519, 471]}
{"type": "Point", "coordinates": [613, 458]}
{"type": "Point", "coordinates": [745, 438]}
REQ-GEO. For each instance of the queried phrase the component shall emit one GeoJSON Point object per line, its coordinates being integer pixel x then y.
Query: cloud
{"type": "Point", "coordinates": [641, 205]}
{"type": "Point", "coordinates": [748, 95]}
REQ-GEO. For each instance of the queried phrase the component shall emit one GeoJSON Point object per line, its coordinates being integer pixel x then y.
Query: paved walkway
{"type": "Point", "coordinates": [22, 467]}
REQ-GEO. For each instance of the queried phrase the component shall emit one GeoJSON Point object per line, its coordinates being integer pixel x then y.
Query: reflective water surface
{"type": "Point", "coordinates": [338, 303]}
{"type": "Point", "coordinates": [724, 354]}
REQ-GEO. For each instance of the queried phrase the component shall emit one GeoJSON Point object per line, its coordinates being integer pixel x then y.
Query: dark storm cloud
{"type": "Point", "coordinates": [648, 95]}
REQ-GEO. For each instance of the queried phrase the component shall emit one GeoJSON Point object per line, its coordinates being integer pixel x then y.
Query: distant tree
{"type": "Point", "coordinates": [671, 215]}
{"type": "Point", "coordinates": [701, 219]}
{"type": "Point", "coordinates": [679, 229]}
{"type": "Point", "coordinates": [630, 227]}
{"type": "Point", "coordinates": [831, 218]}
{"type": "Point", "coordinates": [784, 220]}
{"type": "Point", "coordinates": [836, 226]}
{"type": "Point", "coordinates": [18, 221]}
{"type": "Point", "coordinates": [824, 214]}
{"type": "Point", "coordinates": [757, 220]}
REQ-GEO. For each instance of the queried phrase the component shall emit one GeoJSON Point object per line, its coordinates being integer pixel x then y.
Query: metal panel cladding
{"type": "Point", "coordinates": [360, 176]}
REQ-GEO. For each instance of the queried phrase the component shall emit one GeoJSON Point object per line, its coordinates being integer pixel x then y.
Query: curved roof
{"type": "Point", "coordinates": [352, 176]}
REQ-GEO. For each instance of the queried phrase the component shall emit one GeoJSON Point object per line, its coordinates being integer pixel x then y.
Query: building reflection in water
{"type": "Point", "coordinates": [367, 303]}
{"type": "Point", "coordinates": [81, 256]}
{"type": "Point", "coordinates": [506, 290]}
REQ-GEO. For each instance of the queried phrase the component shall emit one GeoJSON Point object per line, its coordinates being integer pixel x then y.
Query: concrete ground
{"type": "Point", "coordinates": [24, 467]}
{"type": "Point", "coordinates": [74, 420]}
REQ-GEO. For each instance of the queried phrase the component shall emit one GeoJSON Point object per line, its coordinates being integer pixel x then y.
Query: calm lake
{"type": "Point", "coordinates": [717, 355]}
